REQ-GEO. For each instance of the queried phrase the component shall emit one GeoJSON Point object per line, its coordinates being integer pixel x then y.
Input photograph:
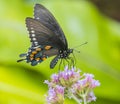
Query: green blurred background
{"type": "Point", "coordinates": [81, 21]}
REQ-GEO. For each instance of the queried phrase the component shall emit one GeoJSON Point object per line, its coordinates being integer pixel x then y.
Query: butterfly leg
{"type": "Point", "coordinates": [74, 58]}
{"type": "Point", "coordinates": [67, 62]}
{"type": "Point", "coordinates": [72, 63]}
{"type": "Point", "coordinates": [63, 63]}
{"type": "Point", "coordinates": [61, 60]}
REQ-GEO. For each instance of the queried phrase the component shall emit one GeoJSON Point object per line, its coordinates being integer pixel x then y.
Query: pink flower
{"type": "Point", "coordinates": [91, 97]}
{"type": "Point", "coordinates": [69, 83]}
{"type": "Point", "coordinates": [55, 95]}
{"type": "Point", "coordinates": [55, 78]}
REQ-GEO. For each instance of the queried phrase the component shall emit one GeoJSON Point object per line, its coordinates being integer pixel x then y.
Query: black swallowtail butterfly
{"type": "Point", "coordinates": [47, 38]}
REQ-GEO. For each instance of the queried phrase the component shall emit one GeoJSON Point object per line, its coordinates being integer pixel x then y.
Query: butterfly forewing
{"type": "Point", "coordinates": [47, 19]}
{"type": "Point", "coordinates": [38, 33]}
{"type": "Point", "coordinates": [41, 35]}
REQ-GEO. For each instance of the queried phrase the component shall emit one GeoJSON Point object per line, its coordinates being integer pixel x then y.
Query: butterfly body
{"type": "Point", "coordinates": [47, 38]}
{"type": "Point", "coordinates": [65, 53]}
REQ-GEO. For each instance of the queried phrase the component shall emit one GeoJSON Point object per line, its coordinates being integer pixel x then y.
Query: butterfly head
{"type": "Point", "coordinates": [65, 53]}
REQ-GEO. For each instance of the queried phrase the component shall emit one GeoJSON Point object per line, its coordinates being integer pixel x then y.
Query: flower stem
{"type": "Point", "coordinates": [84, 99]}
{"type": "Point", "coordinates": [76, 99]}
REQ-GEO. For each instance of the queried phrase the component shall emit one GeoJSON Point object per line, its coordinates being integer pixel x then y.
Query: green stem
{"type": "Point", "coordinates": [84, 99]}
{"type": "Point", "coordinates": [76, 99]}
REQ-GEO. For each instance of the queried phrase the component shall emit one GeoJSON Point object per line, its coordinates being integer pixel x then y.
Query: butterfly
{"type": "Point", "coordinates": [47, 38]}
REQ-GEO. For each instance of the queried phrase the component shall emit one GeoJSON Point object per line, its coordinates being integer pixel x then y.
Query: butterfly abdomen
{"type": "Point", "coordinates": [54, 61]}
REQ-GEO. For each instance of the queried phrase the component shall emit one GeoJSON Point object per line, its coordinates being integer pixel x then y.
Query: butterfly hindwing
{"type": "Point", "coordinates": [39, 54]}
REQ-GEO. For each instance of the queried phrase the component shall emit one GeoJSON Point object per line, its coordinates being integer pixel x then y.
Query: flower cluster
{"type": "Point", "coordinates": [69, 83]}
{"type": "Point", "coordinates": [55, 95]}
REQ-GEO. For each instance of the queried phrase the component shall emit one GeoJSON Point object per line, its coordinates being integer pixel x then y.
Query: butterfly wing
{"type": "Point", "coordinates": [41, 35]}
{"type": "Point", "coordinates": [39, 54]}
{"type": "Point", "coordinates": [44, 42]}
{"type": "Point", "coordinates": [47, 19]}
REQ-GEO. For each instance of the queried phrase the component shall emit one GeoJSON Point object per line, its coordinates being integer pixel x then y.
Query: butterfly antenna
{"type": "Point", "coordinates": [80, 45]}
{"type": "Point", "coordinates": [77, 51]}
{"type": "Point", "coordinates": [74, 58]}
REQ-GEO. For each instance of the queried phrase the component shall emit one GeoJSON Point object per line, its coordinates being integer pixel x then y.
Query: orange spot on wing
{"type": "Point", "coordinates": [47, 47]}
{"type": "Point", "coordinates": [34, 52]}
{"type": "Point", "coordinates": [31, 58]}
{"type": "Point", "coordinates": [38, 49]}
{"type": "Point", "coordinates": [44, 58]}
{"type": "Point", "coordinates": [31, 55]}
{"type": "Point", "coordinates": [37, 59]}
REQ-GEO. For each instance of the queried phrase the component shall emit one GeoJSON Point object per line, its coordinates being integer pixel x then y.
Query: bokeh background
{"type": "Point", "coordinates": [81, 21]}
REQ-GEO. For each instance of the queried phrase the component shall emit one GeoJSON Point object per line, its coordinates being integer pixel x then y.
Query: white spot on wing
{"type": "Point", "coordinates": [32, 31]}
{"type": "Point", "coordinates": [29, 51]}
{"type": "Point", "coordinates": [36, 43]}
{"type": "Point", "coordinates": [33, 39]}
{"type": "Point", "coordinates": [37, 18]}
{"type": "Point", "coordinates": [33, 35]}
{"type": "Point", "coordinates": [31, 28]}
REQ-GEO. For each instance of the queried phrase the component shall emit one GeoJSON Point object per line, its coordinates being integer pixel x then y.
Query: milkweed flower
{"type": "Point", "coordinates": [71, 84]}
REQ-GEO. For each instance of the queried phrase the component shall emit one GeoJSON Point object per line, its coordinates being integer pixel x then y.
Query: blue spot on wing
{"type": "Point", "coordinates": [38, 55]}
{"type": "Point", "coordinates": [34, 62]}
